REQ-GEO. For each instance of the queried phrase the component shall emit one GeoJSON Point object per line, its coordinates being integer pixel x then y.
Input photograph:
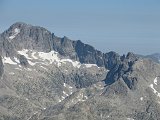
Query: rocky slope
{"type": "Point", "coordinates": [45, 77]}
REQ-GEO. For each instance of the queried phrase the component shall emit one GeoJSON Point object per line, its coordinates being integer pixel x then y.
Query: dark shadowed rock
{"type": "Point", "coordinates": [1, 67]}
{"type": "Point", "coordinates": [88, 54]}
{"type": "Point", "coordinates": [23, 61]}
{"type": "Point", "coordinates": [64, 46]}
{"type": "Point", "coordinates": [111, 60]}
{"type": "Point", "coordinates": [121, 67]}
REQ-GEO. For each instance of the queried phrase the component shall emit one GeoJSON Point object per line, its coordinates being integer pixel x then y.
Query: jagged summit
{"type": "Point", "coordinates": [19, 24]}
{"type": "Point", "coordinates": [23, 36]}
{"type": "Point", "coordinates": [22, 25]}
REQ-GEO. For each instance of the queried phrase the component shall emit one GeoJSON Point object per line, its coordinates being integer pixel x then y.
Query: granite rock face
{"type": "Point", "coordinates": [45, 77]}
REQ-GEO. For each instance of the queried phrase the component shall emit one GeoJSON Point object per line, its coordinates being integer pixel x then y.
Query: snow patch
{"type": "Point", "coordinates": [100, 87]}
{"type": "Point", "coordinates": [90, 65]}
{"type": "Point", "coordinates": [81, 97]}
{"type": "Point", "coordinates": [31, 63]}
{"type": "Point", "coordinates": [65, 93]}
{"type": "Point", "coordinates": [16, 60]}
{"type": "Point", "coordinates": [49, 58]}
{"type": "Point", "coordinates": [154, 90]}
{"type": "Point", "coordinates": [63, 97]}
{"type": "Point", "coordinates": [130, 119]}
{"type": "Point", "coordinates": [11, 73]}
{"type": "Point", "coordinates": [18, 69]}
{"type": "Point", "coordinates": [15, 33]}
{"type": "Point", "coordinates": [35, 113]}
{"type": "Point", "coordinates": [43, 67]}
{"type": "Point", "coordinates": [70, 87]}
{"type": "Point", "coordinates": [8, 61]}
{"type": "Point", "coordinates": [34, 55]}
{"type": "Point", "coordinates": [67, 86]}
{"type": "Point", "coordinates": [28, 69]}
{"type": "Point", "coordinates": [64, 84]}
{"type": "Point", "coordinates": [155, 81]}
{"type": "Point", "coordinates": [141, 98]}
{"type": "Point", "coordinates": [85, 97]}
{"type": "Point", "coordinates": [74, 63]}
{"type": "Point", "coordinates": [25, 53]}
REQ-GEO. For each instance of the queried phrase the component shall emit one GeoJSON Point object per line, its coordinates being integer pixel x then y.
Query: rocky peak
{"type": "Point", "coordinates": [131, 56]}
{"type": "Point", "coordinates": [64, 46]}
{"type": "Point", "coordinates": [24, 36]}
{"type": "Point", "coordinates": [120, 68]}
{"type": "Point", "coordinates": [111, 60]}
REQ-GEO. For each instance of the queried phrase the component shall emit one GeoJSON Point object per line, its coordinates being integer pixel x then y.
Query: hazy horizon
{"type": "Point", "coordinates": [120, 26]}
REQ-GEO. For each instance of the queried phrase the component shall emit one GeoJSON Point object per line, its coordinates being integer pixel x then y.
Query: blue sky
{"type": "Point", "coordinates": [108, 25]}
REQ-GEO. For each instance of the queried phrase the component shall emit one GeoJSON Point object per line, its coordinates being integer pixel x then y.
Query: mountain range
{"type": "Point", "coordinates": [45, 77]}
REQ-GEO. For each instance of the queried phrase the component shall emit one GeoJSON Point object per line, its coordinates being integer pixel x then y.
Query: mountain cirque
{"type": "Point", "coordinates": [45, 77]}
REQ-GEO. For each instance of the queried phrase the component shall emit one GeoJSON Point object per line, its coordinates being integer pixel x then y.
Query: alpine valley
{"type": "Point", "coordinates": [45, 77]}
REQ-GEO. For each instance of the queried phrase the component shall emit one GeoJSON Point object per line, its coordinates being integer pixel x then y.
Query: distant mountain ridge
{"type": "Point", "coordinates": [46, 77]}
{"type": "Point", "coordinates": [155, 57]}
